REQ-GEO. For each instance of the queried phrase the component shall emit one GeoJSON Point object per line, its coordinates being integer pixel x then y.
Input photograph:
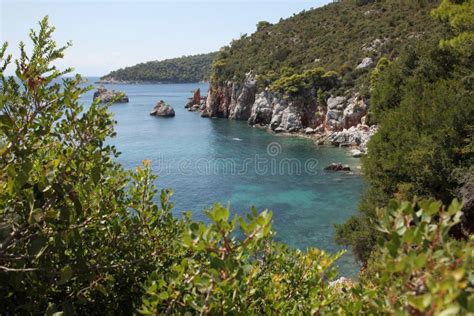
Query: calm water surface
{"type": "Point", "coordinates": [216, 160]}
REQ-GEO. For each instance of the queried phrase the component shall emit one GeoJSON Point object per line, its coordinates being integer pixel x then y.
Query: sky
{"type": "Point", "coordinates": [111, 34]}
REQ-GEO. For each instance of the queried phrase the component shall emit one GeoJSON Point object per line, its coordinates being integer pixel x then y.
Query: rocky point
{"type": "Point", "coordinates": [340, 120]}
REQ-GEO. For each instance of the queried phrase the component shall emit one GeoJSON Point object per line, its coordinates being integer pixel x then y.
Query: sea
{"type": "Point", "coordinates": [206, 161]}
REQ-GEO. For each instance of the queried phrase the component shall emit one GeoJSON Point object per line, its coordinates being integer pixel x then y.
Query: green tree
{"type": "Point", "coordinates": [335, 37]}
{"type": "Point", "coordinates": [248, 275]}
{"type": "Point", "coordinates": [459, 14]}
{"type": "Point", "coordinates": [72, 236]}
{"type": "Point", "coordinates": [184, 69]}
{"type": "Point", "coordinates": [422, 103]}
{"type": "Point", "coordinates": [417, 268]}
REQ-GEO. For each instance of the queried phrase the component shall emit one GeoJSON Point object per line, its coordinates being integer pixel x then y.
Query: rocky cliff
{"type": "Point", "coordinates": [340, 120]}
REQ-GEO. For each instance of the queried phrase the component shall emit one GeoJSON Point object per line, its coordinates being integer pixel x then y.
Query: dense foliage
{"type": "Point", "coordinates": [335, 37]}
{"type": "Point", "coordinates": [184, 69]}
{"type": "Point", "coordinates": [67, 240]}
{"type": "Point", "coordinates": [460, 16]}
{"type": "Point", "coordinates": [80, 235]}
{"type": "Point", "coordinates": [417, 270]}
{"type": "Point", "coordinates": [424, 147]}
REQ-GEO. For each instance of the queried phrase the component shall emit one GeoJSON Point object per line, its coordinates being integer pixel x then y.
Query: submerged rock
{"type": "Point", "coordinates": [105, 96]}
{"type": "Point", "coordinates": [163, 109]}
{"type": "Point", "coordinates": [337, 167]}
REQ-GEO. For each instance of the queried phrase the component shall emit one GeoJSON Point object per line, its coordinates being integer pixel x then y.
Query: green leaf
{"type": "Point", "coordinates": [220, 213]}
{"type": "Point", "coordinates": [37, 245]}
{"type": "Point", "coordinates": [450, 311]}
{"type": "Point", "coordinates": [163, 296]}
{"type": "Point", "coordinates": [101, 289]}
{"type": "Point", "coordinates": [95, 174]}
{"type": "Point", "coordinates": [66, 275]}
{"type": "Point", "coordinates": [420, 261]}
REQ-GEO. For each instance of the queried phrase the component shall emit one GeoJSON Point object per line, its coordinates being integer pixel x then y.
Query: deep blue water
{"type": "Point", "coordinates": [217, 160]}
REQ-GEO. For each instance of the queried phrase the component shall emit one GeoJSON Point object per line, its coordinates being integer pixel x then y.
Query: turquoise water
{"type": "Point", "coordinates": [216, 160]}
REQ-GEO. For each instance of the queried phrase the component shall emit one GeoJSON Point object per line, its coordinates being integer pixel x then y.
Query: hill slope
{"type": "Point", "coordinates": [336, 37]}
{"type": "Point", "coordinates": [184, 69]}
{"type": "Point", "coordinates": [287, 75]}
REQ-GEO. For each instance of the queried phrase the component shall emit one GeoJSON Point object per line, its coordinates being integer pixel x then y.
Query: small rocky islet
{"type": "Point", "coordinates": [196, 102]}
{"type": "Point", "coordinates": [163, 109]}
{"type": "Point", "coordinates": [106, 96]}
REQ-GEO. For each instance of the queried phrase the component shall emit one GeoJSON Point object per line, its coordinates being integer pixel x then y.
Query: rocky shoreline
{"type": "Point", "coordinates": [341, 121]}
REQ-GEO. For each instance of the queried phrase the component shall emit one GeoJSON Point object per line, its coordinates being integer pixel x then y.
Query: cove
{"type": "Point", "coordinates": [216, 160]}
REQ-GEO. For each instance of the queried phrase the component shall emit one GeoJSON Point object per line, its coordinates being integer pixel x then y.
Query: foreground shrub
{"type": "Point", "coordinates": [68, 240]}
{"type": "Point", "coordinates": [418, 269]}
{"type": "Point", "coordinates": [233, 266]}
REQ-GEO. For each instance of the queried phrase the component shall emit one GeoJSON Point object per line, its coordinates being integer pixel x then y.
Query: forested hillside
{"type": "Point", "coordinates": [336, 37]}
{"type": "Point", "coordinates": [411, 64]}
{"type": "Point", "coordinates": [423, 105]}
{"type": "Point", "coordinates": [185, 69]}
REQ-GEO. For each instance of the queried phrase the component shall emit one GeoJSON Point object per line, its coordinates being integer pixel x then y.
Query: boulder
{"type": "Point", "coordinates": [279, 130]}
{"type": "Point", "coordinates": [105, 96]}
{"type": "Point", "coordinates": [340, 283]}
{"type": "Point", "coordinates": [370, 131]}
{"type": "Point", "coordinates": [375, 45]}
{"type": "Point", "coordinates": [343, 113]}
{"type": "Point", "coordinates": [335, 102]}
{"type": "Point", "coordinates": [366, 62]}
{"type": "Point", "coordinates": [356, 153]}
{"type": "Point", "coordinates": [195, 107]}
{"type": "Point", "coordinates": [162, 109]}
{"type": "Point", "coordinates": [354, 136]}
{"type": "Point", "coordinates": [309, 130]}
{"type": "Point", "coordinates": [355, 110]}
{"type": "Point", "coordinates": [337, 167]}
{"type": "Point", "coordinates": [279, 105]}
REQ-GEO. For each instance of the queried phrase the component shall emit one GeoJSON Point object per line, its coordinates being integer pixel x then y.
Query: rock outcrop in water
{"type": "Point", "coordinates": [163, 109]}
{"type": "Point", "coordinates": [337, 167]}
{"type": "Point", "coordinates": [106, 96]}
{"type": "Point", "coordinates": [340, 121]}
{"type": "Point", "coordinates": [196, 103]}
